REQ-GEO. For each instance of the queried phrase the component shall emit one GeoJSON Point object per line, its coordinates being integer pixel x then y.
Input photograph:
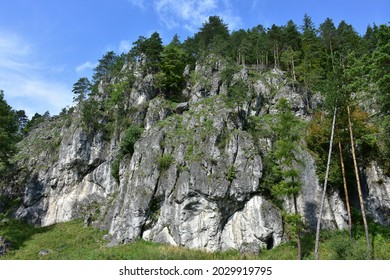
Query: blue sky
{"type": "Point", "coordinates": [46, 45]}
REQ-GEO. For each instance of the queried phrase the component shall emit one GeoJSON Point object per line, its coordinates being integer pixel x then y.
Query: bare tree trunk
{"type": "Point", "coordinates": [275, 57]}
{"type": "Point", "coordinates": [358, 182]}
{"type": "Point", "coordinates": [299, 255]}
{"type": "Point", "coordinates": [325, 185]}
{"type": "Point", "coordinates": [345, 190]}
{"type": "Point", "coordinates": [293, 70]}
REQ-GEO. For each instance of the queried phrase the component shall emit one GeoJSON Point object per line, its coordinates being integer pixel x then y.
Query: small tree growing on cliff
{"type": "Point", "coordinates": [287, 129]}
{"type": "Point", "coordinates": [81, 89]}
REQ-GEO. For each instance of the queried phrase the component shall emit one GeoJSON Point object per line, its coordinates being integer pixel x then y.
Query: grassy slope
{"type": "Point", "coordinates": [72, 241]}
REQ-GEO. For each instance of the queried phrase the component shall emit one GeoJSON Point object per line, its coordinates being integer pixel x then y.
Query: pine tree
{"type": "Point", "coordinates": [328, 34]}
{"type": "Point", "coordinates": [170, 79]}
{"type": "Point", "coordinates": [213, 35]}
{"type": "Point", "coordinates": [290, 58]}
{"type": "Point", "coordinates": [8, 132]}
{"type": "Point", "coordinates": [380, 72]}
{"type": "Point", "coordinates": [148, 50]}
{"type": "Point", "coordinates": [104, 70]}
{"type": "Point", "coordinates": [310, 70]}
{"type": "Point", "coordinates": [276, 38]}
{"type": "Point", "coordinates": [81, 89]}
{"type": "Point", "coordinates": [287, 128]}
{"type": "Point", "coordinates": [153, 50]}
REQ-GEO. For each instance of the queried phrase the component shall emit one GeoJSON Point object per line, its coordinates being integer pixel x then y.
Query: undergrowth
{"type": "Point", "coordinates": [71, 240]}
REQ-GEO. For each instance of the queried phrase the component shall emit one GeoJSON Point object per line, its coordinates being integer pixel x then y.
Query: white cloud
{"type": "Point", "coordinates": [125, 46]}
{"type": "Point", "coordinates": [139, 3]}
{"type": "Point", "coordinates": [14, 53]}
{"type": "Point", "coordinates": [86, 66]}
{"type": "Point", "coordinates": [25, 81]}
{"type": "Point", "coordinates": [11, 44]}
{"type": "Point", "coordinates": [34, 94]}
{"type": "Point", "coordinates": [193, 13]}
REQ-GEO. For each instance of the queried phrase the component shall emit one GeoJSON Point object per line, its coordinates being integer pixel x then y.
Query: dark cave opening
{"type": "Point", "coordinates": [270, 242]}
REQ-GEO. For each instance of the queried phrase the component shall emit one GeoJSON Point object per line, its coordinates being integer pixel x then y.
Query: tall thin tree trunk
{"type": "Point", "coordinates": [299, 255]}
{"type": "Point", "coordinates": [358, 182]}
{"type": "Point", "coordinates": [293, 70]}
{"type": "Point", "coordinates": [325, 185]}
{"type": "Point", "coordinates": [345, 189]}
{"type": "Point", "coordinates": [275, 57]}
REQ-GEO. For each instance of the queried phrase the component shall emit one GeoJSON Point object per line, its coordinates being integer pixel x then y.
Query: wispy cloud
{"type": "Point", "coordinates": [174, 12]}
{"type": "Point", "coordinates": [38, 95]}
{"type": "Point", "coordinates": [193, 13]}
{"type": "Point", "coordinates": [139, 3]}
{"type": "Point", "coordinates": [86, 66]}
{"type": "Point", "coordinates": [25, 81]}
{"type": "Point", "coordinates": [125, 46]}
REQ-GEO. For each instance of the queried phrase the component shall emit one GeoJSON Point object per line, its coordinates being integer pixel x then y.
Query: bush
{"type": "Point", "coordinates": [347, 249]}
{"type": "Point", "coordinates": [90, 115]}
{"type": "Point", "coordinates": [115, 168]}
{"type": "Point", "coordinates": [132, 135]}
{"type": "Point", "coordinates": [231, 174]}
{"type": "Point", "coordinates": [164, 162]}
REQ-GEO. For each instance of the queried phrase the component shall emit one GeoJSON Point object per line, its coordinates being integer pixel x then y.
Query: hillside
{"type": "Point", "coordinates": [210, 147]}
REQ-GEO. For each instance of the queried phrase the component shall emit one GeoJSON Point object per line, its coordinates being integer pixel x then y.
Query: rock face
{"type": "Point", "coordinates": [4, 246]}
{"type": "Point", "coordinates": [194, 178]}
{"type": "Point", "coordinates": [192, 201]}
{"type": "Point", "coordinates": [67, 186]}
{"type": "Point", "coordinates": [378, 197]}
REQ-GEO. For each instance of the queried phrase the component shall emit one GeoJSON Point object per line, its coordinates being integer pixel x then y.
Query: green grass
{"type": "Point", "coordinates": [72, 241]}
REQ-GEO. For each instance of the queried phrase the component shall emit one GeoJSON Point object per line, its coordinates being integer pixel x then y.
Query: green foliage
{"type": "Point", "coordinates": [170, 80]}
{"type": "Point", "coordinates": [115, 167]}
{"type": "Point", "coordinates": [131, 136]}
{"type": "Point", "coordinates": [287, 129]}
{"type": "Point", "coordinates": [81, 89]}
{"type": "Point", "coordinates": [149, 49]}
{"type": "Point", "coordinates": [381, 77]}
{"type": "Point", "coordinates": [204, 82]}
{"type": "Point", "coordinates": [109, 66]}
{"type": "Point", "coordinates": [8, 132]}
{"type": "Point", "coordinates": [346, 249]}
{"type": "Point", "coordinates": [91, 115]}
{"type": "Point", "coordinates": [165, 161]}
{"type": "Point", "coordinates": [228, 72]}
{"type": "Point", "coordinates": [118, 92]}
{"type": "Point", "coordinates": [317, 140]}
{"type": "Point", "coordinates": [287, 188]}
{"type": "Point", "coordinates": [34, 122]}
{"type": "Point", "coordinates": [212, 36]}
{"type": "Point", "coordinates": [22, 121]}
{"type": "Point", "coordinates": [72, 241]}
{"type": "Point", "coordinates": [289, 58]}
{"type": "Point", "coordinates": [294, 224]}
{"type": "Point", "coordinates": [381, 67]}
{"type": "Point", "coordinates": [231, 173]}
{"type": "Point", "coordinates": [237, 95]}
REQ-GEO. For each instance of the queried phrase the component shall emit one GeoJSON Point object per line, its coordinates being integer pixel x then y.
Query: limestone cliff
{"type": "Point", "coordinates": [194, 178]}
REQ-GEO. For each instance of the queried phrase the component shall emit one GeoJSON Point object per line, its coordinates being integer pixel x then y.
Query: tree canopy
{"type": "Point", "coordinates": [8, 131]}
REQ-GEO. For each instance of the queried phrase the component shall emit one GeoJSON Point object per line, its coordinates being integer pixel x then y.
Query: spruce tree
{"type": "Point", "coordinates": [287, 130]}
{"type": "Point", "coordinates": [8, 132]}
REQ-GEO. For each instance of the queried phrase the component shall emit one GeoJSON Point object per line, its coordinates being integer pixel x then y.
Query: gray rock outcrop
{"type": "Point", "coordinates": [378, 198]}
{"type": "Point", "coordinates": [194, 178]}
{"type": "Point", "coordinates": [5, 246]}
